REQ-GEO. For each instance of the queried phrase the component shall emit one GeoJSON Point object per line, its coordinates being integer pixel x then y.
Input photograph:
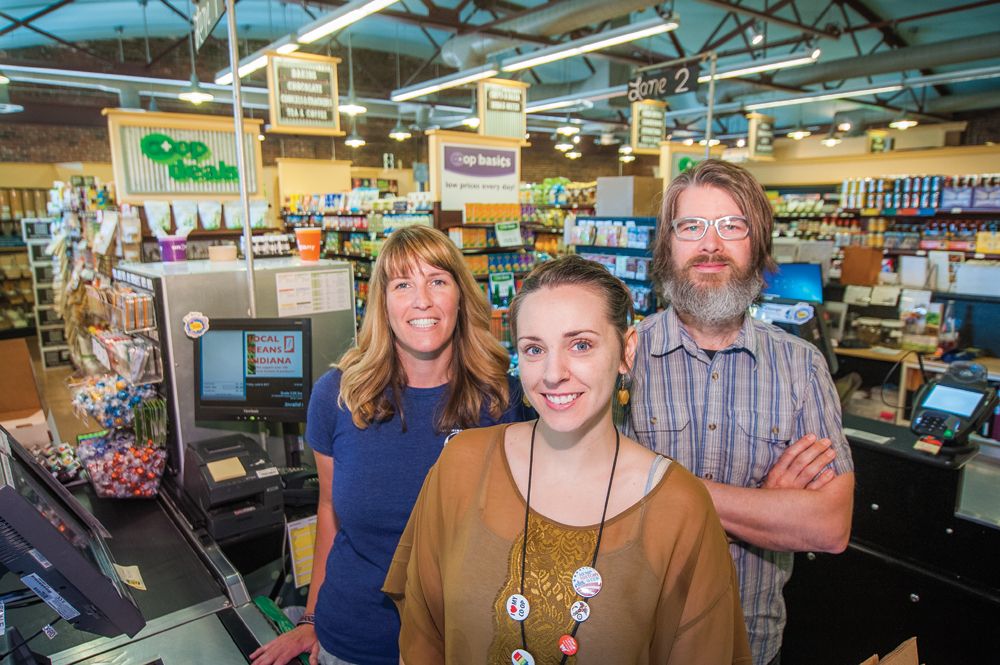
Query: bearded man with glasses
{"type": "Point", "coordinates": [746, 407]}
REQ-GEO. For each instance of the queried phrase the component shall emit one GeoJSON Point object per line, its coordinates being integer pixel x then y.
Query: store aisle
{"type": "Point", "coordinates": [56, 396]}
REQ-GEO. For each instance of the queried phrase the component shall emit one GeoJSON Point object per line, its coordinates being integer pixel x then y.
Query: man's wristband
{"type": "Point", "coordinates": [307, 618]}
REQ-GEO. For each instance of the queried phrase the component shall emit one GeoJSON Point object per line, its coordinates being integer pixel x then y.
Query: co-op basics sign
{"type": "Point", "coordinates": [473, 174]}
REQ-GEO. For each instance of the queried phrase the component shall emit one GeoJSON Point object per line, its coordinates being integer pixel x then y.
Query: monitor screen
{"type": "Point", "coordinates": [254, 369]}
{"type": "Point", "coordinates": [54, 546]}
{"type": "Point", "coordinates": [953, 400]}
{"type": "Point", "coordinates": [795, 281]}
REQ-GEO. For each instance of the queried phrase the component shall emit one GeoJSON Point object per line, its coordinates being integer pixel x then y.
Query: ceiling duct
{"type": "Point", "coordinates": [908, 58]}
{"type": "Point", "coordinates": [473, 50]}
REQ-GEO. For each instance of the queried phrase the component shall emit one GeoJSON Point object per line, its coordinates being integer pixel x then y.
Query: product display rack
{"type": "Point", "coordinates": [37, 233]}
{"type": "Point", "coordinates": [641, 288]}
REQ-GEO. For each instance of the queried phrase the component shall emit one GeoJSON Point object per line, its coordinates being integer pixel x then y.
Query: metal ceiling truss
{"type": "Point", "coordinates": [769, 17]}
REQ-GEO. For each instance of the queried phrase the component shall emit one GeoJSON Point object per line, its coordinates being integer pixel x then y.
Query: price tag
{"type": "Point", "coordinates": [956, 211]}
{"type": "Point", "coordinates": [921, 252]}
{"type": "Point", "coordinates": [979, 255]}
{"type": "Point", "coordinates": [50, 632]}
{"type": "Point", "coordinates": [509, 234]}
{"type": "Point", "coordinates": [101, 353]}
{"type": "Point", "coordinates": [130, 576]}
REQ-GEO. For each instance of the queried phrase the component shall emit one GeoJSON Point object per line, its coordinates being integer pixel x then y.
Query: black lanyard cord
{"type": "Point", "coordinates": [527, 513]}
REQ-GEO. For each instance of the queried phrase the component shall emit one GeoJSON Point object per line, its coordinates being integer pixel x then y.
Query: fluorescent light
{"type": "Point", "coordinates": [768, 65]}
{"type": "Point", "coordinates": [713, 142]}
{"type": "Point", "coordinates": [451, 81]}
{"type": "Point", "coordinates": [842, 94]}
{"type": "Point", "coordinates": [552, 105]}
{"type": "Point", "coordinates": [339, 18]}
{"type": "Point", "coordinates": [596, 42]}
{"type": "Point", "coordinates": [471, 121]}
{"type": "Point", "coordinates": [258, 59]}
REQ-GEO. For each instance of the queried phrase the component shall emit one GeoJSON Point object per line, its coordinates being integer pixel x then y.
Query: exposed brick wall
{"type": "Point", "coordinates": [50, 144]}
{"type": "Point", "coordinates": [542, 161]}
{"type": "Point", "coordinates": [984, 126]}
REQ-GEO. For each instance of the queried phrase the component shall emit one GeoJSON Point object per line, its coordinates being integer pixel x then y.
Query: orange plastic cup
{"type": "Point", "coordinates": [309, 241]}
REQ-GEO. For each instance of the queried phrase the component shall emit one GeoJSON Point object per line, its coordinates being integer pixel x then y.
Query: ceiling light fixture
{"type": "Point", "coordinates": [354, 140]}
{"type": "Point", "coordinates": [450, 81]}
{"type": "Point", "coordinates": [576, 139]}
{"type": "Point", "coordinates": [903, 122]}
{"type": "Point", "coordinates": [712, 142]}
{"type": "Point", "coordinates": [574, 155]}
{"type": "Point", "coordinates": [567, 128]}
{"type": "Point", "coordinates": [472, 120]}
{"type": "Point", "coordinates": [625, 150]}
{"type": "Point", "coordinates": [805, 99]}
{"type": "Point", "coordinates": [399, 132]}
{"type": "Point", "coordinates": [688, 141]}
{"type": "Point", "coordinates": [754, 34]}
{"type": "Point", "coordinates": [844, 127]}
{"type": "Point", "coordinates": [627, 158]}
{"type": "Point", "coordinates": [799, 133]}
{"type": "Point", "coordinates": [351, 108]}
{"type": "Point", "coordinates": [3, 79]}
{"type": "Point", "coordinates": [563, 145]}
{"type": "Point", "coordinates": [741, 143]}
{"type": "Point", "coordinates": [193, 93]}
{"type": "Point", "coordinates": [831, 139]}
{"type": "Point", "coordinates": [766, 65]}
{"type": "Point", "coordinates": [340, 18]}
{"type": "Point", "coordinates": [595, 42]}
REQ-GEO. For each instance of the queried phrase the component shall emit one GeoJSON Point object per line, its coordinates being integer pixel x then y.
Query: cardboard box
{"type": "Point", "coordinates": [22, 412]}
{"type": "Point", "coordinates": [904, 654]}
{"type": "Point", "coordinates": [861, 266]}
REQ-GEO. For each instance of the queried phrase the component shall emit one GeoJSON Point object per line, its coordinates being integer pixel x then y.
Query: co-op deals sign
{"type": "Point", "coordinates": [471, 174]}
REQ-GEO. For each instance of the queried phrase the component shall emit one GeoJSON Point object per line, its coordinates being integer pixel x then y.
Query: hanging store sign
{"type": "Point", "coordinates": [761, 138]}
{"type": "Point", "coordinates": [501, 108]}
{"type": "Point", "coordinates": [476, 174]}
{"type": "Point", "coordinates": [206, 17]}
{"type": "Point", "coordinates": [174, 155]}
{"type": "Point", "coordinates": [664, 83]}
{"type": "Point", "coordinates": [302, 94]}
{"type": "Point", "coordinates": [648, 126]}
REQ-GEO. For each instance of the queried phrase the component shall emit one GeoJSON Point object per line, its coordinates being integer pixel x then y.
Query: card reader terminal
{"type": "Point", "coordinates": [954, 405]}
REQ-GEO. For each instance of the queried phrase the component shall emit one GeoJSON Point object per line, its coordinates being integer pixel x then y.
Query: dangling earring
{"type": "Point", "coordinates": [623, 396]}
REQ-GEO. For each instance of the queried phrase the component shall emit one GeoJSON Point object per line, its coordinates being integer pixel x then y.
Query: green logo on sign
{"type": "Point", "coordinates": [170, 153]}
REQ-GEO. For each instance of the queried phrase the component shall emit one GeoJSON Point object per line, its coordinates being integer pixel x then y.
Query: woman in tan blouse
{"type": "Point", "coordinates": [624, 560]}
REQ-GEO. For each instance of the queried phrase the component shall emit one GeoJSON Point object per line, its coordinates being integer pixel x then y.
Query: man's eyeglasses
{"type": "Point", "coordinates": [731, 227]}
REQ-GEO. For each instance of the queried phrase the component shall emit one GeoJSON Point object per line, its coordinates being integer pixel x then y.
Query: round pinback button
{"type": "Point", "coordinates": [518, 607]}
{"type": "Point", "coordinates": [567, 645]}
{"type": "Point", "coordinates": [587, 582]}
{"type": "Point", "coordinates": [521, 657]}
{"type": "Point", "coordinates": [580, 611]}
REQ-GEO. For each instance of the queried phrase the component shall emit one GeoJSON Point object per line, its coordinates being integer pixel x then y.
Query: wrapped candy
{"type": "Point", "coordinates": [121, 467]}
{"type": "Point", "coordinates": [110, 400]}
{"type": "Point", "coordinates": [60, 460]}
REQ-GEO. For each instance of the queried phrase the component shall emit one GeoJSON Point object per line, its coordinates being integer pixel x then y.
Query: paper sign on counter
{"type": "Point", "coordinates": [130, 575]}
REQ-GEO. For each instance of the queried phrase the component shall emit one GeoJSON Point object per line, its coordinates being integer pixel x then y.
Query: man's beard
{"type": "Point", "coordinates": [719, 298]}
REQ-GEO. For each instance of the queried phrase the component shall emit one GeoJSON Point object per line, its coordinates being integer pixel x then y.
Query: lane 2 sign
{"type": "Point", "coordinates": [664, 83]}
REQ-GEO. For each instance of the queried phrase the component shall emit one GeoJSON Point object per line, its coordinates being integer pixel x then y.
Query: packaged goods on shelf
{"type": "Point", "coordinates": [416, 201]}
{"type": "Point", "coordinates": [269, 244]}
{"type": "Point", "coordinates": [393, 222]}
{"type": "Point", "coordinates": [478, 264]}
{"type": "Point", "coordinates": [124, 309]}
{"type": "Point", "coordinates": [802, 204]}
{"type": "Point", "coordinates": [522, 262]}
{"type": "Point", "coordinates": [133, 357]}
{"type": "Point", "coordinates": [923, 191]}
{"type": "Point", "coordinates": [559, 191]}
{"type": "Point", "coordinates": [491, 213]}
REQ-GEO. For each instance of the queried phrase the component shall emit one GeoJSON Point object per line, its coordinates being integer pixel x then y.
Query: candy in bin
{"type": "Point", "coordinates": [121, 467]}
{"type": "Point", "coordinates": [60, 460]}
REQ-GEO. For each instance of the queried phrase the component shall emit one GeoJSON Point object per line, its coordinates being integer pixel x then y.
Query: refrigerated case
{"type": "Point", "coordinates": [322, 291]}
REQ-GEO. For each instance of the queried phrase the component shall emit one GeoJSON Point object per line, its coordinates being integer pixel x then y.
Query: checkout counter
{"type": "Point", "coordinates": [922, 558]}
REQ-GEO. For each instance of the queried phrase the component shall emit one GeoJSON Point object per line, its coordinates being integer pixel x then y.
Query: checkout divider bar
{"type": "Point", "coordinates": [210, 554]}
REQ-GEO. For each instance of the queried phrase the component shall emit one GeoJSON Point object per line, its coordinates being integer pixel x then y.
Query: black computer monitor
{"type": "Point", "coordinates": [57, 548]}
{"type": "Point", "coordinates": [253, 369]}
{"type": "Point", "coordinates": [795, 281]}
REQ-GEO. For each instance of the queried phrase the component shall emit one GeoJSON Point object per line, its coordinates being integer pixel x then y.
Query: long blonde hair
{"type": "Point", "coordinates": [478, 363]}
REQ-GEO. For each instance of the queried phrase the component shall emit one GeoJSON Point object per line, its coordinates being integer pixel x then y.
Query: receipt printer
{"type": "Point", "coordinates": [953, 406]}
{"type": "Point", "coordinates": [233, 484]}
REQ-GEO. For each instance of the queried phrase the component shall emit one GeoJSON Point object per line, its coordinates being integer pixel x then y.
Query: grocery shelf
{"type": "Point", "coordinates": [201, 234]}
{"type": "Point", "coordinates": [359, 257]}
{"type": "Point", "coordinates": [495, 250]}
{"type": "Point", "coordinates": [517, 275]}
{"type": "Point", "coordinates": [921, 212]}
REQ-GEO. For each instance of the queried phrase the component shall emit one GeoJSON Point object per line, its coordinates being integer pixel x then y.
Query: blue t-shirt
{"type": "Point", "coordinates": [377, 475]}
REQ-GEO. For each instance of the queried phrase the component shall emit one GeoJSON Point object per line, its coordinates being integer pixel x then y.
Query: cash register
{"type": "Point", "coordinates": [949, 408]}
{"type": "Point", "coordinates": [246, 370]}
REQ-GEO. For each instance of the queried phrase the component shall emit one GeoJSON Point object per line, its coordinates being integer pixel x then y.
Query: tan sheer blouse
{"type": "Point", "coordinates": [670, 592]}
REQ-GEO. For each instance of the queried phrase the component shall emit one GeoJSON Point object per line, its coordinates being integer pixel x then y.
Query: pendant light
{"type": "Point", "coordinates": [5, 105]}
{"type": "Point", "coordinates": [193, 93]}
{"type": "Point", "coordinates": [799, 133]}
{"type": "Point", "coordinates": [399, 132]}
{"type": "Point", "coordinates": [567, 128]}
{"type": "Point", "coordinates": [354, 140]}
{"type": "Point", "coordinates": [831, 139]}
{"type": "Point", "coordinates": [3, 79]}
{"type": "Point", "coordinates": [351, 108]}
{"type": "Point", "coordinates": [626, 158]}
{"type": "Point", "coordinates": [574, 154]}
{"type": "Point", "coordinates": [903, 122]}
{"type": "Point", "coordinates": [562, 144]}
{"type": "Point", "coordinates": [472, 120]}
